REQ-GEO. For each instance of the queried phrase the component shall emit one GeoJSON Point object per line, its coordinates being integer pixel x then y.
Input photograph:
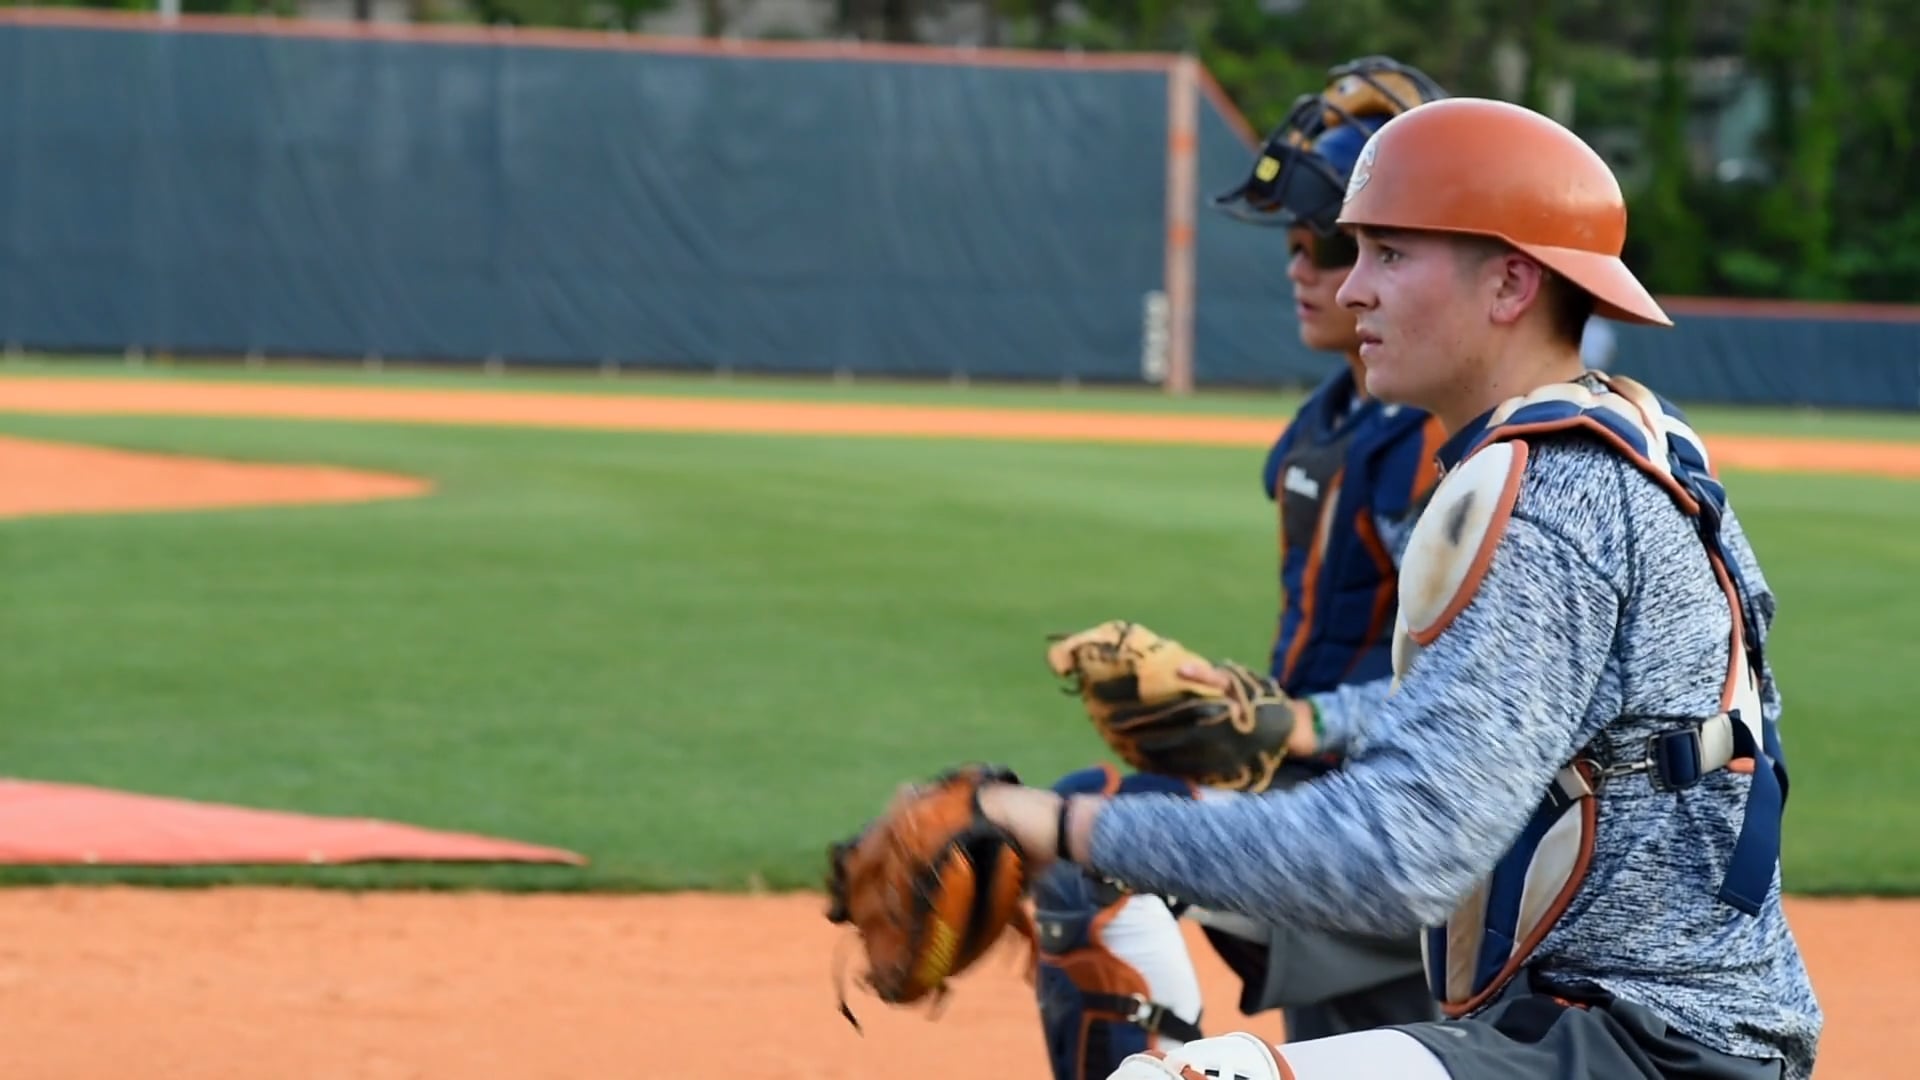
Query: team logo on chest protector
{"type": "Point", "coordinates": [1498, 925]}
{"type": "Point", "coordinates": [1307, 489]}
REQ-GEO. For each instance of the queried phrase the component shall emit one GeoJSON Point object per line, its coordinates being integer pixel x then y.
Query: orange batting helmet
{"type": "Point", "coordinates": [1491, 168]}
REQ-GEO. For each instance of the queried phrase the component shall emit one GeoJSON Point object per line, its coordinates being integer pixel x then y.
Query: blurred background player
{"type": "Point", "coordinates": [1347, 476]}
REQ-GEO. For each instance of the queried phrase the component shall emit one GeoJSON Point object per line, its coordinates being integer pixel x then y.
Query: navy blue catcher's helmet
{"type": "Point", "coordinates": [1301, 174]}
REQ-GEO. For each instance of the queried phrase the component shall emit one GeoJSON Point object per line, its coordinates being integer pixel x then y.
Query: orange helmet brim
{"type": "Point", "coordinates": [1616, 293]}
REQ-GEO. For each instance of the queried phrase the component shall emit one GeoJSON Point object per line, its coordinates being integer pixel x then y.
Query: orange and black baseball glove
{"type": "Point", "coordinates": [930, 886]}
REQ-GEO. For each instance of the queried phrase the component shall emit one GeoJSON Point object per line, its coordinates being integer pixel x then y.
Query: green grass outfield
{"type": "Point", "coordinates": [698, 659]}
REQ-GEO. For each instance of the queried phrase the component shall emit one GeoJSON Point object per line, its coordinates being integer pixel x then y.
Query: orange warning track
{"type": "Point", "coordinates": [687, 414]}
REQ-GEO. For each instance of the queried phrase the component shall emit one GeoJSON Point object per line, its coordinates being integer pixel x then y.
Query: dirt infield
{"type": "Point", "coordinates": [198, 985]}
{"type": "Point", "coordinates": [55, 478]}
{"type": "Point", "coordinates": [248, 983]}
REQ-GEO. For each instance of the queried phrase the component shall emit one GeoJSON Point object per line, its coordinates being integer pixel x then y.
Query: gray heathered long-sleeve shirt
{"type": "Point", "coordinates": [1345, 709]}
{"type": "Point", "coordinates": [1599, 603]}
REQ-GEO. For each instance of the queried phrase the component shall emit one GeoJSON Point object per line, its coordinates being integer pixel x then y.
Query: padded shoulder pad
{"type": "Point", "coordinates": [1453, 543]}
{"type": "Point", "coordinates": [1678, 434]}
{"type": "Point", "coordinates": [1627, 415]}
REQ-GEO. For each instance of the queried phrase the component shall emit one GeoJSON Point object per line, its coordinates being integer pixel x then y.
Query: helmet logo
{"type": "Point", "coordinates": [1363, 168]}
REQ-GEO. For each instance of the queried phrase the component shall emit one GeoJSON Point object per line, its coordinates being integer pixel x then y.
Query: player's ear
{"type": "Point", "coordinates": [1518, 285]}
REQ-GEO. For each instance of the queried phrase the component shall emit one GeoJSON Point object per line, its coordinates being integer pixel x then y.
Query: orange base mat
{"type": "Point", "coordinates": [45, 824]}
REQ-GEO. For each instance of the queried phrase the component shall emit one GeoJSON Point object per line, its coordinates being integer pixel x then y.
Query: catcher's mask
{"type": "Point", "coordinates": [1301, 174]}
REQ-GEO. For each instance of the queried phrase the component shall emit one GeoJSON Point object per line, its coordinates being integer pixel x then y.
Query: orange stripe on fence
{"type": "Point", "coordinates": [614, 41]}
{"type": "Point", "coordinates": [1754, 308]}
{"type": "Point", "coordinates": [1236, 119]}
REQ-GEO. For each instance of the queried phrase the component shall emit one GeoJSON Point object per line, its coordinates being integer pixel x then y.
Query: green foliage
{"type": "Point", "coordinates": [579, 14]}
{"type": "Point", "coordinates": [1651, 85]}
{"type": "Point", "coordinates": [1662, 207]}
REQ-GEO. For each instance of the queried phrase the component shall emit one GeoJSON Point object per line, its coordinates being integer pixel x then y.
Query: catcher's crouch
{"type": "Point", "coordinates": [1347, 477]}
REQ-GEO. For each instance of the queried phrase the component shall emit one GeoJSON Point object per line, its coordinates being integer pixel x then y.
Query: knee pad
{"type": "Point", "coordinates": [1114, 975]}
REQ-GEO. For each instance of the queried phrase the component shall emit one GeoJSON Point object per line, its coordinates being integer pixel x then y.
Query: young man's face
{"type": "Point", "coordinates": [1317, 267]}
{"type": "Point", "coordinates": [1418, 317]}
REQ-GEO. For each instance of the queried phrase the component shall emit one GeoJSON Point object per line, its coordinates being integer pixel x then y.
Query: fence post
{"type": "Point", "coordinates": [1183, 121]}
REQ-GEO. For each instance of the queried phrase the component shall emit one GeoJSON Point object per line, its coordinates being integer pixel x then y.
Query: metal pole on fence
{"type": "Point", "coordinates": [169, 10]}
{"type": "Point", "coordinates": [1183, 122]}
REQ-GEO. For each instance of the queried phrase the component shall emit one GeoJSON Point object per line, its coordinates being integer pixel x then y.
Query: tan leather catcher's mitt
{"type": "Point", "coordinates": [1160, 721]}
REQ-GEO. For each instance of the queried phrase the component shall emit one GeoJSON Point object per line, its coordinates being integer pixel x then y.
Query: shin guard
{"type": "Point", "coordinates": [1114, 977]}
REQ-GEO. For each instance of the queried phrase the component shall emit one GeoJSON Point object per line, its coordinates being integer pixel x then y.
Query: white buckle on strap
{"type": "Point", "coordinates": [1716, 742]}
{"type": "Point", "coordinates": [1145, 1013]}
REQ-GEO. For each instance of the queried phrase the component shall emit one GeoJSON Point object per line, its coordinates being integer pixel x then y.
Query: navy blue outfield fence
{"type": "Point", "coordinates": [234, 186]}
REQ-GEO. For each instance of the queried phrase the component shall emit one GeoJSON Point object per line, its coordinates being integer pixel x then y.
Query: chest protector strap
{"type": "Point", "coordinates": [1495, 930]}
